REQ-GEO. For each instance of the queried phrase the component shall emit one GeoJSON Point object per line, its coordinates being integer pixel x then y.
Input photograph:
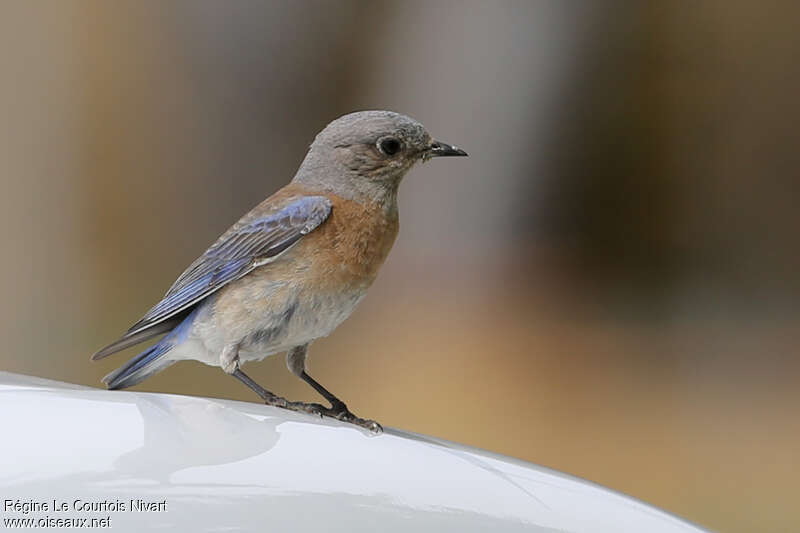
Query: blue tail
{"type": "Point", "coordinates": [149, 361]}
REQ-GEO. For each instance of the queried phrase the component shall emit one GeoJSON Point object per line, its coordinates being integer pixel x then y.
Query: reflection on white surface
{"type": "Point", "coordinates": [49, 444]}
{"type": "Point", "coordinates": [225, 465]}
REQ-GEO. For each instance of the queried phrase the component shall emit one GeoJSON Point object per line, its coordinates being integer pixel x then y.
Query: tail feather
{"type": "Point", "coordinates": [151, 360]}
{"type": "Point", "coordinates": [128, 341]}
{"type": "Point", "coordinates": [137, 369]}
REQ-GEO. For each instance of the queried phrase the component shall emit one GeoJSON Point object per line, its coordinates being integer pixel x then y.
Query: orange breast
{"type": "Point", "coordinates": [351, 245]}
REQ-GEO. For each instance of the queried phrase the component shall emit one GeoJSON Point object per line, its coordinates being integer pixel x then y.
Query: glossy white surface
{"type": "Point", "coordinates": [233, 466]}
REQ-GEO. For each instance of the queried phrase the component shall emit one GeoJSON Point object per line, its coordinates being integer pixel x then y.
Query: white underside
{"type": "Point", "coordinates": [313, 318]}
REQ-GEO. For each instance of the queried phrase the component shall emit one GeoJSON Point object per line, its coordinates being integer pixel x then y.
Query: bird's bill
{"type": "Point", "coordinates": [442, 149]}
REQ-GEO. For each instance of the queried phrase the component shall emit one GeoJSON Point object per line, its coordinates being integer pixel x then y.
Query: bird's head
{"type": "Point", "coordinates": [367, 152]}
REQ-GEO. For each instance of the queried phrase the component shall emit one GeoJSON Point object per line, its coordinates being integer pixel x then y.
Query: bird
{"type": "Point", "coordinates": [291, 270]}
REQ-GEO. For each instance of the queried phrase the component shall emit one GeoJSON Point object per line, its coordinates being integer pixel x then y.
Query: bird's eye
{"type": "Point", "coordinates": [389, 146]}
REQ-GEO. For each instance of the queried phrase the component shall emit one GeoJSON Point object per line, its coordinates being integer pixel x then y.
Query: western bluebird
{"type": "Point", "coordinates": [292, 269]}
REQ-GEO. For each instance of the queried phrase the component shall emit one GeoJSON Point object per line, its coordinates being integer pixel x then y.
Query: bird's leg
{"type": "Point", "coordinates": [296, 361]}
{"type": "Point", "coordinates": [229, 361]}
{"type": "Point", "coordinates": [338, 407]}
{"type": "Point", "coordinates": [268, 397]}
{"type": "Point", "coordinates": [275, 400]}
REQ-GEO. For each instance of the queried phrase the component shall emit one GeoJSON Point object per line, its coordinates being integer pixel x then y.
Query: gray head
{"type": "Point", "coordinates": [364, 155]}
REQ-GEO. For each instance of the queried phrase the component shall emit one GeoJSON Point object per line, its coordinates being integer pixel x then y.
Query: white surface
{"type": "Point", "coordinates": [233, 466]}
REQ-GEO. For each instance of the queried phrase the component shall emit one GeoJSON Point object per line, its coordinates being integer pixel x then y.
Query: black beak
{"type": "Point", "coordinates": [440, 149]}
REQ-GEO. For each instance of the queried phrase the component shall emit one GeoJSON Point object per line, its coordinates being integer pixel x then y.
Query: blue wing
{"type": "Point", "coordinates": [247, 245]}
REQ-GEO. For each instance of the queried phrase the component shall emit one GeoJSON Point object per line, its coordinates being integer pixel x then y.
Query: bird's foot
{"type": "Point", "coordinates": [339, 411]}
{"type": "Point", "coordinates": [275, 401]}
{"type": "Point", "coordinates": [309, 408]}
{"type": "Point", "coordinates": [370, 425]}
{"type": "Point", "coordinates": [301, 407]}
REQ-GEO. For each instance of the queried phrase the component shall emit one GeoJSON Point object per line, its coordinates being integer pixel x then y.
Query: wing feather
{"type": "Point", "coordinates": [241, 249]}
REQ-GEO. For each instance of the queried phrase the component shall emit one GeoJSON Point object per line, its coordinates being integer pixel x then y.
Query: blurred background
{"type": "Point", "coordinates": [608, 286]}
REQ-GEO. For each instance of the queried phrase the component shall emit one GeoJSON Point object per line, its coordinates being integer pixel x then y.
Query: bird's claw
{"type": "Point", "coordinates": [276, 401]}
{"type": "Point", "coordinates": [369, 425]}
{"type": "Point", "coordinates": [339, 411]}
{"type": "Point", "coordinates": [308, 408]}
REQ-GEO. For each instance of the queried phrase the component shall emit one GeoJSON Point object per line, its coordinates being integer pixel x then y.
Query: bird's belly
{"type": "Point", "coordinates": [310, 316]}
{"type": "Point", "coordinates": [282, 319]}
